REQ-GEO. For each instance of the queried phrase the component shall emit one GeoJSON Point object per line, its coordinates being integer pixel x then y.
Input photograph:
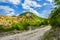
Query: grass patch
{"type": "Point", "coordinates": [51, 35]}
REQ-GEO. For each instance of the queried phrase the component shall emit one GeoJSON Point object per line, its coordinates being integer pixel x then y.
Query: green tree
{"type": "Point", "coordinates": [55, 15]}
{"type": "Point", "coordinates": [55, 22]}
{"type": "Point", "coordinates": [57, 2]}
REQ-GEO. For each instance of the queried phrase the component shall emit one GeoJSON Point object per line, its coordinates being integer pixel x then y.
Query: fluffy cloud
{"type": "Point", "coordinates": [27, 5]}
{"type": "Point", "coordinates": [10, 14]}
{"type": "Point", "coordinates": [7, 10]}
{"type": "Point", "coordinates": [34, 11]}
{"type": "Point", "coordinates": [17, 14]}
{"type": "Point", "coordinates": [11, 1]}
{"type": "Point", "coordinates": [45, 4]}
{"type": "Point", "coordinates": [50, 0]}
{"type": "Point", "coordinates": [14, 1]}
{"type": "Point", "coordinates": [45, 13]}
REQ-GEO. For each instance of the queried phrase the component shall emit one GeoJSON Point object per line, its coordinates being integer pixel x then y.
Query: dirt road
{"type": "Point", "coordinates": [30, 35]}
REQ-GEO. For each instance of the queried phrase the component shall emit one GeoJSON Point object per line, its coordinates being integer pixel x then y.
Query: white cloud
{"type": "Point", "coordinates": [10, 14]}
{"type": "Point", "coordinates": [45, 13]}
{"type": "Point", "coordinates": [50, 0]}
{"type": "Point", "coordinates": [34, 11]}
{"type": "Point", "coordinates": [24, 11]}
{"type": "Point", "coordinates": [45, 4]}
{"type": "Point", "coordinates": [14, 1]}
{"type": "Point", "coordinates": [7, 10]}
{"type": "Point", "coordinates": [27, 5]}
{"type": "Point", "coordinates": [17, 14]}
{"type": "Point", "coordinates": [11, 1]}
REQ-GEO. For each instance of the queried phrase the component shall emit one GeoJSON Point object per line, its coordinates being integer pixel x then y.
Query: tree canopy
{"type": "Point", "coordinates": [55, 14]}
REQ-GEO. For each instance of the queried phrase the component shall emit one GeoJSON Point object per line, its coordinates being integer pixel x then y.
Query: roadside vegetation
{"type": "Point", "coordinates": [54, 18]}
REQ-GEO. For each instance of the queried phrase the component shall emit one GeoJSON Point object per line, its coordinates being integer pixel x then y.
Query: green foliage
{"type": "Point", "coordinates": [34, 20]}
{"type": "Point", "coordinates": [24, 21]}
{"type": "Point", "coordinates": [55, 14]}
{"type": "Point", "coordinates": [55, 22]}
{"type": "Point", "coordinates": [1, 28]}
{"type": "Point", "coordinates": [57, 2]}
{"type": "Point", "coordinates": [50, 36]}
{"type": "Point", "coordinates": [55, 17]}
{"type": "Point", "coordinates": [5, 28]}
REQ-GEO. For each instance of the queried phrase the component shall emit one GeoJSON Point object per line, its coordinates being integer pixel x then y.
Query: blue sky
{"type": "Point", "coordinates": [41, 8]}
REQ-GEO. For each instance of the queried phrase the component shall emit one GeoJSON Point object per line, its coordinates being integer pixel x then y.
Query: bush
{"type": "Point", "coordinates": [1, 28]}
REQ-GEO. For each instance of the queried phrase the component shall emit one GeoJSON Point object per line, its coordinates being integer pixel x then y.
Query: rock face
{"type": "Point", "coordinates": [28, 14]}
{"type": "Point", "coordinates": [30, 35]}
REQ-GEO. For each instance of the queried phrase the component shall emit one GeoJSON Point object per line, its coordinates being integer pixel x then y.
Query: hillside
{"type": "Point", "coordinates": [21, 22]}
{"type": "Point", "coordinates": [31, 18]}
